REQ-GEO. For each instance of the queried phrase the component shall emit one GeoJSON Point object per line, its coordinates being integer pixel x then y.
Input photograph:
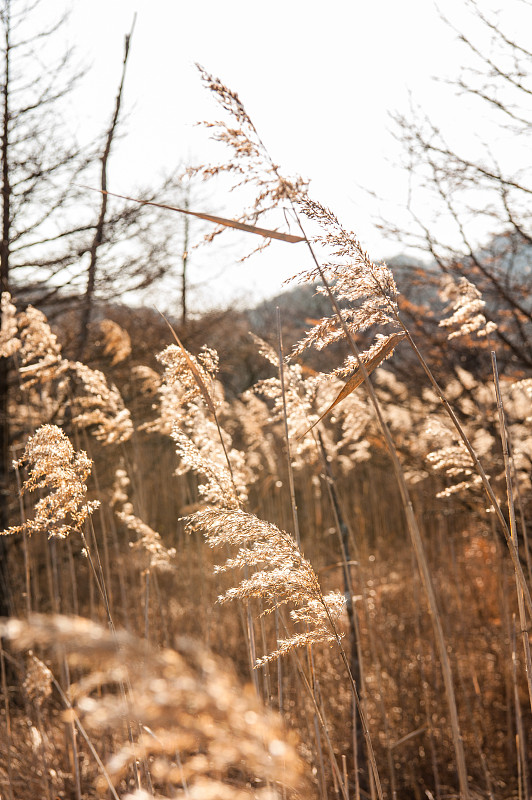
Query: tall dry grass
{"type": "Point", "coordinates": [355, 546]}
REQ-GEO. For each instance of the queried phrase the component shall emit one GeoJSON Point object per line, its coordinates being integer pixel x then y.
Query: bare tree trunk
{"type": "Point", "coordinates": [4, 287]}
{"type": "Point", "coordinates": [6, 188]}
{"type": "Point", "coordinates": [86, 311]}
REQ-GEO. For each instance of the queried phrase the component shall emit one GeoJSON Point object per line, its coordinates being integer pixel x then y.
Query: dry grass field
{"type": "Point", "coordinates": [319, 587]}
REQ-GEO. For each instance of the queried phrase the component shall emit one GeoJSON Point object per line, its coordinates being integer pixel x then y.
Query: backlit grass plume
{"type": "Point", "coordinates": [294, 398]}
{"type": "Point", "coordinates": [365, 289]}
{"type": "Point", "coordinates": [56, 467]}
{"type": "Point", "coordinates": [282, 575]}
{"type": "Point", "coordinates": [249, 163]}
{"type": "Point", "coordinates": [466, 303]}
{"type": "Point", "coordinates": [148, 543]}
{"type": "Point", "coordinates": [62, 388]}
{"type": "Point", "coordinates": [190, 401]}
{"type": "Point", "coordinates": [9, 343]}
{"type": "Point", "coordinates": [302, 395]}
{"type": "Point", "coordinates": [366, 286]}
{"type": "Point", "coordinates": [200, 733]}
{"type": "Point", "coordinates": [223, 479]}
{"type": "Point", "coordinates": [98, 405]}
{"type": "Point", "coordinates": [116, 341]}
{"type": "Point", "coordinates": [39, 351]}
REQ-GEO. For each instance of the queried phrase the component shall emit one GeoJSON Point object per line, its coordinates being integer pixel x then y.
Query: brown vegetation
{"type": "Point", "coordinates": [371, 535]}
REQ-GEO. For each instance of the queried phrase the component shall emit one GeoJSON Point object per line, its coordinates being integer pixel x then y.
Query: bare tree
{"type": "Point", "coordinates": [50, 232]}
{"type": "Point", "coordinates": [87, 304]}
{"type": "Point", "coordinates": [481, 188]}
{"type": "Point", "coordinates": [40, 164]}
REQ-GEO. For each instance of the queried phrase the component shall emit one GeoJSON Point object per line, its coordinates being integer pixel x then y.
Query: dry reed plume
{"type": "Point", "coordinates": [289, 577]}
{"type": "Point", "coordinates": [55, 466]}
{"type": "Point", "coordinates": [56, 388]}
{"type": "Point", "coordinates": [200, 734]}
{"type": "Point", "coordinates": [281, 575]}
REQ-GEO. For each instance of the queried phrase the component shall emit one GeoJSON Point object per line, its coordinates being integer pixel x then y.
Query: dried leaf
{"type": "Point", "coordinates": [358, 377]}
{"type": "Point", "coordinates": [228, 223]}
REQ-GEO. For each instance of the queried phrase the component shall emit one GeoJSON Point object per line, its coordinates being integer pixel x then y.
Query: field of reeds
{"type": "Point", "coordinates": [318, 587]}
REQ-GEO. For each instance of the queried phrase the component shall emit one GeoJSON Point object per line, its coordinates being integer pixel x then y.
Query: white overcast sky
{"type": "Point", "coordinates": [318, 79]}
